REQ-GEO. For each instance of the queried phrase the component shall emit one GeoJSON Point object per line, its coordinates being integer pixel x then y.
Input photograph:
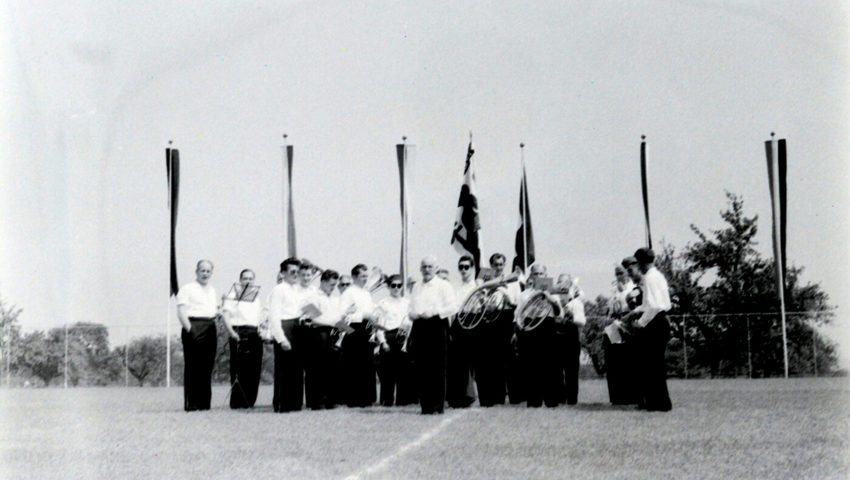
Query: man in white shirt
{"type": "Point", "coordinates": [568, 335]}
{"type": "Point", "coordinates": [652, 332]}
{"type": "Point", "coordinates": [357, 352]}
{"type": "Point", "coordinates": [284, 313]}
{"type": "Point", "coordinates": [432, 303]}
{"type": "Point", "coordinates": [322, 314]}
{"type": "Point", "coordinates": [460, 386]}
{"type": "Point", "coordinates": [243, 312]}
{"type": "Point", "coordinates": [393, 325]}
{"type": "Point", "coordinates": [620, 359]}
{"type": "Point", "coordinates": [197, 308]}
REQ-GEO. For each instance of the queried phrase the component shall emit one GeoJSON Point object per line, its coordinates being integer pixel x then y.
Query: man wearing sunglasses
{"type": "Point", "coordinates": [393, 326]}
{"type": "Point", "coordinates": [432, 302]}
{"type": "Point", "coordinates": [460, 389]}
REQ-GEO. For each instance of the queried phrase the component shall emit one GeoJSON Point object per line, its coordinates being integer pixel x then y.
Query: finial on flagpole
{"type": "Point", "coordinates": [521, 145]}
{"type": "Point", "coordinates": [470, 136]}
{"type": "Point", "coordinates": [403, 138]}
{"type": "Point", "coordinates": [170, 142]}
{"type": "Point", "coordinates": [772, 134]}
{"type": "Point", "coordinates": [643, 137]}
{"type": "Point", "coordinates": [284, 138]}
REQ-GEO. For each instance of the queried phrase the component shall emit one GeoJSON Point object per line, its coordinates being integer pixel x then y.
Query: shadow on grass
{"type": "Point", "coordinates": [603, 407]}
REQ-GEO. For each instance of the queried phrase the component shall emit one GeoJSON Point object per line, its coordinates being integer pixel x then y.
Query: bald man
{"type": "Point", "coordinates": [197, 308]}
{"type": "Point", "coordinates": [432, 303]}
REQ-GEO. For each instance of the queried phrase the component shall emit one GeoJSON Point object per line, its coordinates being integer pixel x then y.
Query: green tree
{"type": "Point", "coordinates": [10, 337]}
{"type": "Point", "coordinates": [42, 355]}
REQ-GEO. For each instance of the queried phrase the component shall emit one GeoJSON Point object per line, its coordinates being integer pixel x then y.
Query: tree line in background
{"type": "Point", "coordinates": [724, 323]}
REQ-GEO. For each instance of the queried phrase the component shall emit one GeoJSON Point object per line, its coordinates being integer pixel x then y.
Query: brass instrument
{"type": "Point", "coordinates": [535, 311]}
{"type": "Point", "coordinates": [484, 304]}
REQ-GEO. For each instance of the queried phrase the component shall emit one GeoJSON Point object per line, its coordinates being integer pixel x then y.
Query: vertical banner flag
{"type": "Point", "coordinates": [778, 247]}
{"type": "Point", "coordinates": [467, 223]}
{"type": "Point", "coordinates": [524, 243]}
{"type": "Point", "coordinates": [782, 170]}
{"type": "Point", "coordinates": [644, 189]}
{"type": "Point", "coordinates": [172, 165]}
{"type": "Point", "coordinates": [290, 209]}
{"type": "Point", "coordinates": [402, 154]}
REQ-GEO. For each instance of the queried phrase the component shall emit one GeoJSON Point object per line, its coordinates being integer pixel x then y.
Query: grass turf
{"type": "Point", "coordinates": [772, 429]}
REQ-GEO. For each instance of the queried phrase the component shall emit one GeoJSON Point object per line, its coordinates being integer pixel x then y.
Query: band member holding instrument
{"type": "Point", "coordinates": [432, 303]}
{"type": "Point", "coordinates": [652, 333]}
{"type": "Point", "coordinates": [243, 312]}
{"type": "Point", "coordinates": [568, 337]}
{"type": "Point", "coordinates": [536, 314]}
{"type": "Point", "coordinates": [393, 327]}
{"type": "Point", "coordinates": [197, 308]}
{"type": "Point", "coordinates": [618, 349]}
{"type": "Point", "coordinates": [321, 315]}
{"type": "Point", "coordinates": [492, 340]}
{"type": "Point", "coordinates": [357, 353]}
{"type": "Point", "coordinates": [460, 387]}
{"type": "Point", "coordinates": [284, 313]}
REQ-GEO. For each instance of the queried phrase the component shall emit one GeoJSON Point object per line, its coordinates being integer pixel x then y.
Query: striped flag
{"type": "Point", "coordinates": [524, 243]}
{"type": "Point", "coordinates": [290, 209]}
{"type": "Point", "coordinates": [645, 190]}
{"type": "Point", "coordinates": [467, 223]}
{"type": "Point", "coordinates": [172, 165]}
{"type": "Point", "coordinates": [402, 151]}
{"type": "Point", "coordinates": [778, 229]}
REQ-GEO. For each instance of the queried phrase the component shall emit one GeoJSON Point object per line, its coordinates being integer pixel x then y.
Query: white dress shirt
{"type": "Point", "coordinates": [362, 301]}
{"type": "Point", "coordinates": [328, 305]}
{"type": "Point", "coordinates": [656, 296]}
{"type": "Point", "coordinates": [435, 297]}
{"type": "Point", "coordinates": [244, 313]}
{"type": "Point", "coordinates": [393, 314]}
{"type": "Point", "coordinates": [199, 300]}
{"type": "Point", "coordinates": [285, 303]}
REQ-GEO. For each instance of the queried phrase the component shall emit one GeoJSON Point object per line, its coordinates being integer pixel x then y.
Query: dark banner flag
{"type": "Point", "coordinates": [172, 165]}
{"type": "Point", "coordinates": [524, 243]}
{"type": "Point", "coordinates": [778, 224]}
{"type": "Point", "coordinates": [290, 209]}
{"type": "Point", "coordinates": [781, 171]}
{"type": "Point", "coordinates": [467, 223]}
{"type": "Point", "coordinates": [645, 190]}
{"type": "Point", "coordinates": [402, 154]}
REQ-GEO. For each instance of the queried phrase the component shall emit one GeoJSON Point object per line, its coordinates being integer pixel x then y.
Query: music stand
{"type": "Point", "coordinates": [248, 294]}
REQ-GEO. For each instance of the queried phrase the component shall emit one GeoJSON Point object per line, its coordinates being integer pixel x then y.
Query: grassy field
{"type": "Point", "coordinates": [724, 429]}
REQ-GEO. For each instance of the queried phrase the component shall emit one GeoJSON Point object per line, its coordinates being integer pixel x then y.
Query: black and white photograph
{"type": "Point", "coordinates": [425, 240]}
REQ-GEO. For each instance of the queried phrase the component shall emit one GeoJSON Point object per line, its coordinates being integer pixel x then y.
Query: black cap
{"type": "Point", "coordinates": [644, 256]}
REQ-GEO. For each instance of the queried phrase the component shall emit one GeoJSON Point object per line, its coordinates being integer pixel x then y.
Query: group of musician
{"type": "Point", "coordinates": [495, 336]}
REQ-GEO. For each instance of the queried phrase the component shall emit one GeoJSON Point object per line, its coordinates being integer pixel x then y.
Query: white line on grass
{"type": "Point", "coordinates": [405, 448]}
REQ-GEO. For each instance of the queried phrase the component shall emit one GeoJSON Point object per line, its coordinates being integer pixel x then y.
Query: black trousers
{"type": "Point", "coordinates": [198, 358]}
{"type": "Point", "coordinates": [492, 350]}
{"type": "Point", "coordinates": [651, 345]}
{"type": "Point", "coordinates": [246, 362]}
{"type": "Point", "coordinates": [318, 367]}
{"type": "Point", "coordinates": [460, 391]}
{"type": "Point", "coordinates": [288, 393]}
{"type": "Point", "coordinates": [568, 353]}
{"type": "Point", "coordinates": [540, 367]}
{"type": "Point", "coordinates": [394, 373]}
{"type": "Point", "coordinates": [359, 367]}
{"type": "Point", "coordinates": [621, 372]}
{"type": "Point", "coordinates": [429, 357]}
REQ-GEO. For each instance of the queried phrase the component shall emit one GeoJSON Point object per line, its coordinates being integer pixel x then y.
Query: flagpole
{"type": "Point", "coordinates": [168, 306]}
{"type": "Point", "coordinates": [645, 189]}
{"type": "Point", "coordinates": [522, 201]}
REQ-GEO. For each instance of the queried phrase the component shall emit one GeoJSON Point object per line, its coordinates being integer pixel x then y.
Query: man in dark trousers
{"type": "Point", "coordinates": [432, 303]}
{"type": "Point", "coordinates": [197, 308]}
{"type": "Point", "coordinates": [649, 322]}
{"type": "Point", "coordinates": [243, 312]}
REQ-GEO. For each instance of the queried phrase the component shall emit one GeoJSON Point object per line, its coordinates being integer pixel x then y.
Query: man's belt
{"type": "Point", "coordinates": [201, 319]}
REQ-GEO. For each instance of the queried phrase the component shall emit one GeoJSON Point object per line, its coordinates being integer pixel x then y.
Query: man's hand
{"type": "Point", "coordinates": [385, 347]}
{"type": "Point", "coordinates": [233, 334]}
{"type": "Point", "coordinates": [285, 345]}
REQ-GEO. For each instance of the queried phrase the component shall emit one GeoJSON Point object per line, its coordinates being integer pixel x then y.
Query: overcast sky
{"type": "Point", "coordinates": [92, 92]}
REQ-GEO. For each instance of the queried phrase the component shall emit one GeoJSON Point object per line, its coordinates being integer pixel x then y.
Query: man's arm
{"type": "Point", "coordinates": [184, 319]}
